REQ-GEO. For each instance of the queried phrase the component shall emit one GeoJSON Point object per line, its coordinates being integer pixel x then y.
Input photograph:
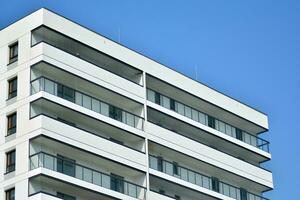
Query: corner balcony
{"type": "Point", "coordinates": [86, 53]}
{"type": "Point", "coordinates": [70, 168]}
{"type": "Point", "coordinates": [42, 187]}
{"type": "Point", "coordinates": [204, 181]}
{"type": "Point", "coordinates": [86, 101]}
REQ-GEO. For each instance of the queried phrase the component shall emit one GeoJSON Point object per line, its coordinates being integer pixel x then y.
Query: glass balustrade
{"type": "Point", "coordinates": [173, 169]}
{"type": "Point", "coordinates": [207, 120]}
{"type": "Point", "coordinates": [71, 168]}
{"type": "Point", "coordinates": [86, 101]}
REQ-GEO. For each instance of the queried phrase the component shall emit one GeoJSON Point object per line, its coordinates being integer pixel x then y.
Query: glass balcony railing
{"type": "Point", "coordinates": [207, 120]}
{"type": "Point", "coordinates": [86, 101]}
{"type": "Point", "coordinates": [70, 168]}
{"type": "Point", "coordinates": [211, 183]}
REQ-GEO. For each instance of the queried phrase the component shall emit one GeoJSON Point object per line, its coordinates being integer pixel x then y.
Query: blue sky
{"type": "Point", "coordinates": [249, 50]}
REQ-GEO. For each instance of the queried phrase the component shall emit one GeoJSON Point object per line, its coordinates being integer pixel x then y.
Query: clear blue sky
{"type": "Point", "coordinates": [249, 50]}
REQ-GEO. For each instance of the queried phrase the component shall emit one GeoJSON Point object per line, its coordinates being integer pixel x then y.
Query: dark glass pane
{"type": "Point", "coordinates": [172, 104]}
{"type": "Point", "coordinates": [159, 164]}
{"type": "Point", "coordinates": [239, 134]}
{"type": "Point", "coordinates": [117, 183]}
{"type": "Point", "coordinates": [211, 122]}
{"type": "Point", "coordinates": [157, 98]}
{"type": "Point", "coordinates": [215, 184]}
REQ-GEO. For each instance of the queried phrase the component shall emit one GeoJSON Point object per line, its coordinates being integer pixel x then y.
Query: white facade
{"type": "Point", "coordinates": [96, 120]}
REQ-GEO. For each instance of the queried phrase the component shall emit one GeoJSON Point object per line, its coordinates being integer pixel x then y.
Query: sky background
{"type": "Point", "coordinates": [249, 50]}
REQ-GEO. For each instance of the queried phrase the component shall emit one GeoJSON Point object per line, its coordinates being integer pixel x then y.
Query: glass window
{"type": "Point", "coordinates": [11, 124]}
{"type": "Point", "coordinates": [202, 118]}
{"type": "Point", "coordinates": [115, 113]}
{"type": "Point", "coordinates": [10, 194]}
{"type": "Point", "coordinates": [221, 126]}
{"type": "Point", "coordinates": [184, 174]}
{"type": "Point", "coordinates": [86, 101]}
{"type": "Point", "coordinates": [192, 177]}
{"type": "Point", "coordinates": [117, 183]}
{"type": "Point", "coordinates": [66, 165]}
{"type": "Point", "coordinates": [151, 95]}
{"type": "Point", "coordinates": [188, 111]}
{"type": "Point", "coordinates": [49, 86]}
{"type": "Point", "coordinates": [78, 98]}
{"type": "Point", "coordinates": [195, 115]}
{"type": "Point", "coordinates": [166, 102]}
{"type": "Point", "coordinates": [104, 108]}
{"type": "Point", "coordinates": [169, 168]}
{"type": "Point", "coordinates": [180, 108]}
{"type": "Point", "coordinates": [130, 119]}
{"type": "Point", "coordinates": [12, 87]}
{"type": "Point", "coordinates": [157, 98]}
{"type": "Point", "coordinates": [175, 168]}
{"type": "Point", "coordinates": [87, 175]}
{"type": "Point", "coordinates": [96, 105]}
{"type": "Point", "coordinates": [211, 122]}
{"type": "Point", "coordinates": [10, 161]}
{"type": "Point", "coordinates": [172, 104]}
{"type": "Point", "coordinates": [96, 178]}
{"type": "Point", "coordinates": [153, 162]}
{"type": "Point", "coordinates": [105, 181]}
{"type": "Point", "coordinates": [13, 52]}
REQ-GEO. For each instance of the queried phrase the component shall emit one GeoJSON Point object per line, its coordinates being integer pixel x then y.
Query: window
{"type": "Point", "coordinates": [11, 124]}
{"type": "Point", "coordinates": [13, 52]}
{"type": "Point", "coordinates": [66, 93]}
{"type": "Point", "coordinates": [115, 113]}
{"type": "Point", "coordinates": [211, 122]}
{"type": "Point", "coordinates": [117, 183]}
{"type": "Point", "coordinates": [175, 168]}
{"type": "Point", "coordinates": [10, 161]}
{"type": "Point", "coordinates": [239, 134]}
{"type": "Point", "coordinates": [12, 87]}
{"type": "Point", "coordinates": [160, 163]}
{"type": "Point", "coordinates": [215, 184]}
{"type": "Point", "coordinates": [10, 194]}
{"type": "Point", "coordinates": [65, 196]}
{"type": "Point", "coordinates": [65, 165]}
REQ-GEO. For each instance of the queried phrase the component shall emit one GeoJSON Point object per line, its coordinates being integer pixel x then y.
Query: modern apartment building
{"type": "Point", "coordinates": [83, 117]}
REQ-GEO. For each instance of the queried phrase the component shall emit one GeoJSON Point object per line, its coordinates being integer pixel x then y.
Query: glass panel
{"type": "Point", "coordinates": [132, 190]}
{"type": "Point", "coordinates": [86, 101]}
{"type": "Point", "coordinates": [199, 180]}
{"type": "Point", "coordinates": [79, 172]}
{"type": "Point", "coordinates": [35, 86]}
{"type": "Point", "coordinates": [188, 111]}
{"type": "Point", "coordinates": [192, 177]}
{"type": "Point", "coordinates": [34, 161]}
{"type": "Point", "coordinates": [169, 168]}
{"type": "Point", "coordinates": [96, 105]}
{"type": "Point", "coordinates": [184, 174]}
{"type": "Point", "coordinates": [49, 86]}
{"type": "Point", "coordinates": [166, 102]}
{"type": "Point", "coordinates": [104, 109]}
{"type": "Point", "coordinates": [78, 98]}
{"type": "Point", "coordinates": [87, 175]}
{"type": "Point", "coordinates": [130, 119]}
{"type": "Point", "coordinates": [206, 182]}
{"type": "Point", "coordinates": [195, 115]}
{"type": "Point", "coordinates": [180, 108]}
{"type": "Point", "coordinates": [221, 126]}
{"type": "Point", "coordinates": [225, 189]}
{"type": "Point", "coordinates": [228, 129]}
{"type": "Point", "coordinates": [153, 162]}
{"type": "Point", "coordinates": [247, 138]}
{"type": "Point", "coordinates": [151, 95]}
{"type": "Point", "coordinates": [105, 181]}
{"type": "Point", "coordinates": [96, 178]}
{"type": "Point", "coordinates": [202, 118]}
{"type": "Point", "coordinates": [48, 162]}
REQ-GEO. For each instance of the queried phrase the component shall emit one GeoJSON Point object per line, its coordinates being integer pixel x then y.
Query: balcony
{"type": "Point", "coordinates": [47, 188]}
{"type": "Point", "coordinates": [86, 101]}
{"type": "Point", "coordinates": [211, 183]}
{"type": "Point", "coordinates": [207, 120]}
{"type": "Point", "coordinates": [86, 53]}
{"type": "Point", "coordinates": [87, 174]}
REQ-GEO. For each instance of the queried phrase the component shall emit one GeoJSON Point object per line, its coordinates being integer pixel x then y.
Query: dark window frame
{"type": "Point", "coordinates": [13, 52]}
{"type": "Point", "coordinates": [10, 194]}
{"type": "Point", "coordinates": [10, 161]}
{"type": "Point", "coordinates": [12, 87]}
{"type": "Point", "coordinates": [11, 124]}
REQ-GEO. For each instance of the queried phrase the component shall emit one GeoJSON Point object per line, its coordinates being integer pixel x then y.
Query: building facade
{"type": "Point", "coordinates": [85, 118]}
